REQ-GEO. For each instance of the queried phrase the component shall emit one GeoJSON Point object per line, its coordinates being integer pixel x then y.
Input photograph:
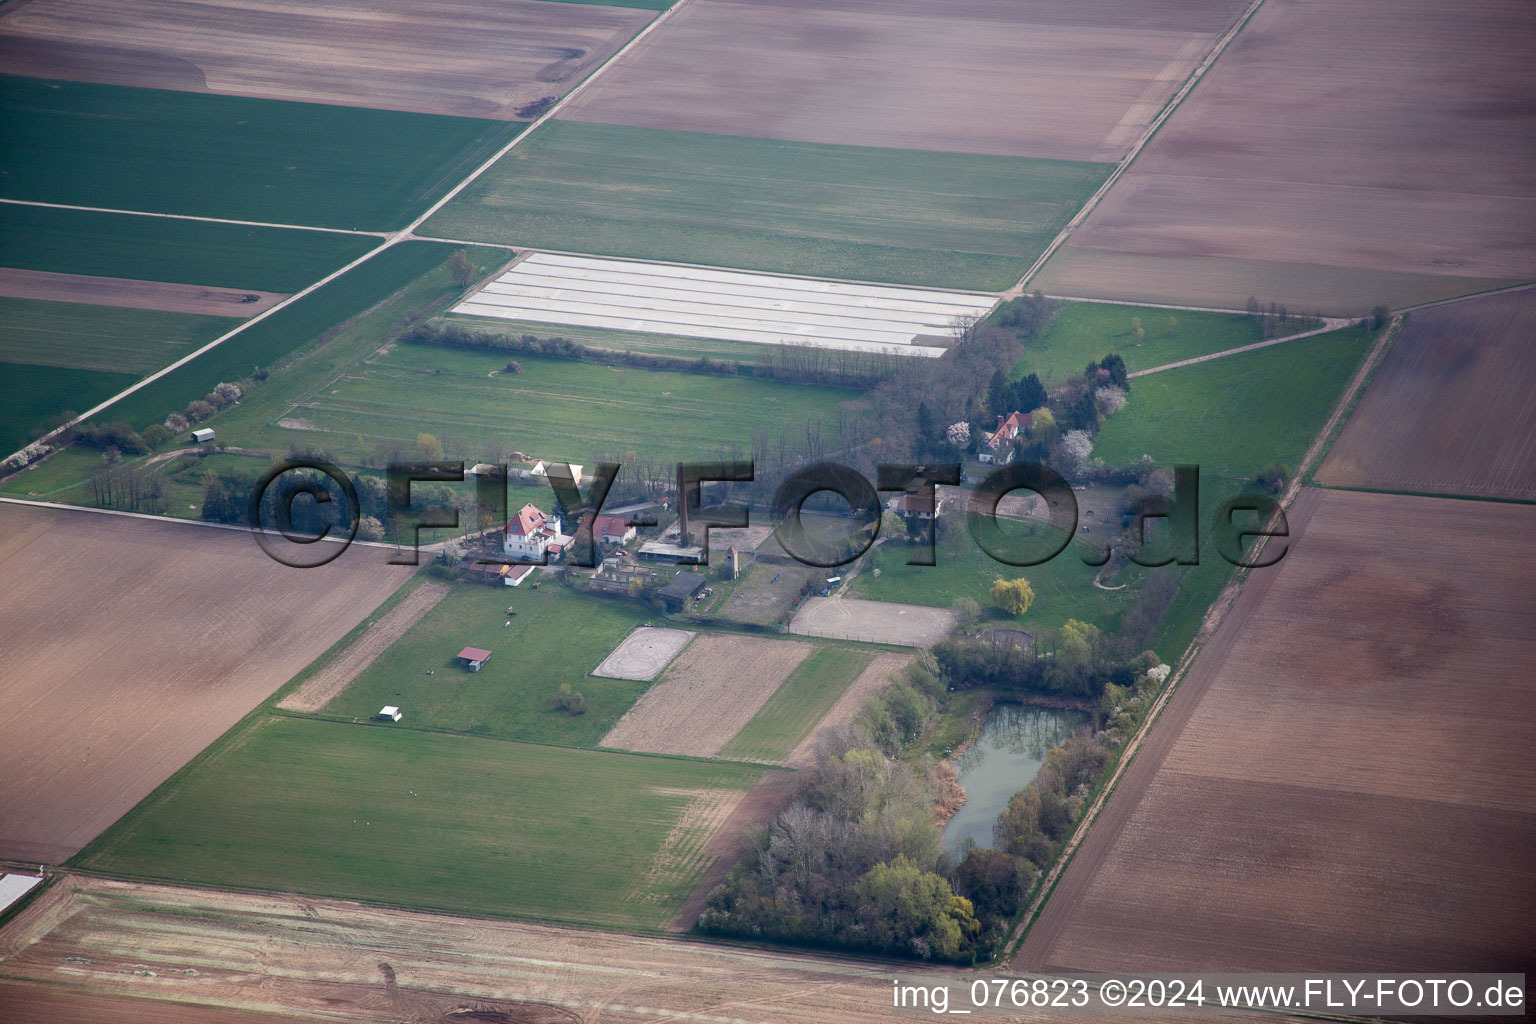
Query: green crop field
{"type": "Point", "coordinates": [134, 341]}
{"type": "Point", "coordinates": [1063, 586]}
{"type": "Point", "coordinates": [554, 409]}
{"type": "Point", "coordinates": [422, 819]}
{"type": "Point", "coordinates": [1081, 332]}
{"type": "Point", "coordinates": [230, 156]}
{"type": "Point", "coordinates": [909, 216]}
{"type": "Point", "coordinates": [557, 636]}
{"type": "Point", "coordinates": [31, 395]}
{"type": "Point", "coordinates": [285, 331]}
{"type": "Point", "coordinates": [162, 249]}
{"type": "Point", "coordinates": [798, 704]}
{"type": "Point", "coordinates": [1235, 416]}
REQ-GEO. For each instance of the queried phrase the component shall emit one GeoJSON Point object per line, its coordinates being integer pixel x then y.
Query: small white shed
{"type": "Point", "coordinates": [389, 713]}
{"type": "Point", "coordinates": [203, 436]}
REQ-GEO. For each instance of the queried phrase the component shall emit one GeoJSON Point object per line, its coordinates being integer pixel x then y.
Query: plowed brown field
{"type": "Point", "coordinates": [1342, 781]}
{"type": "Point", "coordinates": [130, 645]}
{"type": "Point", "coordinates": [474, 58]}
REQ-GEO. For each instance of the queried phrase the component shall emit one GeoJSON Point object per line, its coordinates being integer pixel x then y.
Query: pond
{"type": "Point", "coordinates": [1005, 757]}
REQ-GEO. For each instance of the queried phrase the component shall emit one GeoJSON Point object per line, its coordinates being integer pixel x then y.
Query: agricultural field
{"type": "Point", "coordinates": [974, 76]}
{"type": "Point", "coordinates": [1063, 586]}
{"type": "Point", "coordinates": [555, 409]}
{"type": "Point", "coordinates": [1452, 408]}
{"type": "Point", "coordinates": [320, 959]}
{"type": "Point", "coordinates": [1081, 332]}
{"type": "Point", "coordinates": [110, 339]}
{"type": "Point", "coordinates": [892, 215]}
{"type": "Point", "coordinates": [726, 304]}
{"type": "Point", "coordinates": [556, 636]}
{"type": "Point", "coordinates": [464, 824]}
{"type": "Point", "coordinates": [228, 156]}
{"type": "Point", "coordinates": [335, 673]}
{"type": "Point", "coordinates": [130, 650]}
{"type": "Point", "coordinates": [1237, 415]}
{"type": "Point", "coordinates": [1353, 737]}
{"type": "Point", "coordinates": [799, 705]}
{"type": "Point", "coordinates": [470, 58]}
{"type": "Point", "coordinates": [34, 395]}
{"type": "Point", "coordinates": [708, 694]}
{"type": "Point", "coordinates": [130, 246]}
{"type": "Point", "coordinates": [126, 293]}
{"type": "Point", "coordinates": [1263, 184]}
{"type": "Point", "coordinates": [284, 332]}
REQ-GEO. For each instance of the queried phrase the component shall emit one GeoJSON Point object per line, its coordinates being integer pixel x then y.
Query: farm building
{"type": "Point", "coordinates": [473, 657]}
{"type": "Point", "coordinates": [672, 554]}
{"type": "Point", "coordinates": [685, 586]}
{"type": "Point", "coordinates": [613, 530]}
{"type": "Point", "coordinates": [389, 713]}
{"type": "Point", "coordinates": [496, 573]}
{"type": "Point", "coordinates": [203, 436]}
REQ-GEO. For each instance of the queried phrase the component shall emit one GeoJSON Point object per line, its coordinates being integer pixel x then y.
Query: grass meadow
{"type": "Point", "coordinates": [909, 216]}
{"type": "Point", "coordinates": [554, 409]}
{"type": "Point", "coordinates": [1081, 332]}
{"type": "Point", "coordinates": [179, 251]}
{"type": "Point", "coordinates": [557, 636]}
{"type": "Point", "coordinates": [798, 704]}
{"type": "Point", "coordinates": [1063, 586]}
{"type": "Point", "coordinates": [1235, 416]}
{"type": "Point", "coordinates": [274, 161]}
{"type": "Point", "coordinates": [422, 819]}
{"type": "Point", "coordinates": [622, 341]}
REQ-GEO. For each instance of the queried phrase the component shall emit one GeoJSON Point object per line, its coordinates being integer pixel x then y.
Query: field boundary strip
{"type": "Point", "coordinates": [1214, 616]}
{"type": "Point", "coordinates": [193, 217]}
{"type": "Point", "coordinates": [392, 239]}
{"type": "Point", "coordinates": [1168, 108]}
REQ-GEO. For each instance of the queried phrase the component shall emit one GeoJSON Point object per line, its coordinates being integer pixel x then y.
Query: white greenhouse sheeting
{"type": "Point", "coordinates": [729, 305]}
{"type": "Point", "coordinates": [14, 887]}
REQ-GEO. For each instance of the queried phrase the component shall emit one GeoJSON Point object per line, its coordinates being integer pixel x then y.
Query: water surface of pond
{"type": "Point", "coordinates": [1005, 757]}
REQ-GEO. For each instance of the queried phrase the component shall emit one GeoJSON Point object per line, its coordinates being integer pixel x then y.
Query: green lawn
{"type": "Point", "coordinates": [557, 636]}
{"type": "Point", "coordinates": [554, 409]}
{"type": "Point", "coordinates": [285, 331]}
{"type": "Point", "coordinates": [422, 819]}
{"type": "Point", "coordinates": [230, 156]}
{"type": "Point", "coordinates": [1081, 332]}
{"type": "Point", "coordinates": [31, 395]}
{"type": "Point", "coordinates": [109, 338]}
{"type": "Point", "coordinates": [1232, 417]}
{"type": "Point", "coordinates": [909, 216]}
{"type": "Point", "coordinates": [621, 341]}
{"type": "Point", "coordinates": [798, 704]}
{"type": "Point", "coordinates": [162, 249]}
{"type": "Point", "coordinates": [1063, 586]}
{"type": "Point", "coordinates": [1235, 416]}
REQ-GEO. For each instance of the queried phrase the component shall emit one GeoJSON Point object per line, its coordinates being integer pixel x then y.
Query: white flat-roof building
{"type": "Point", "coordinates": [389, 713]}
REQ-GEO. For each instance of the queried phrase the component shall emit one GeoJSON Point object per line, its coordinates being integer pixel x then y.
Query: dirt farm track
{"type": "Point", "coordinates": [131, 645]}
{"type": "Point", "coordinates": [1343, 778]}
